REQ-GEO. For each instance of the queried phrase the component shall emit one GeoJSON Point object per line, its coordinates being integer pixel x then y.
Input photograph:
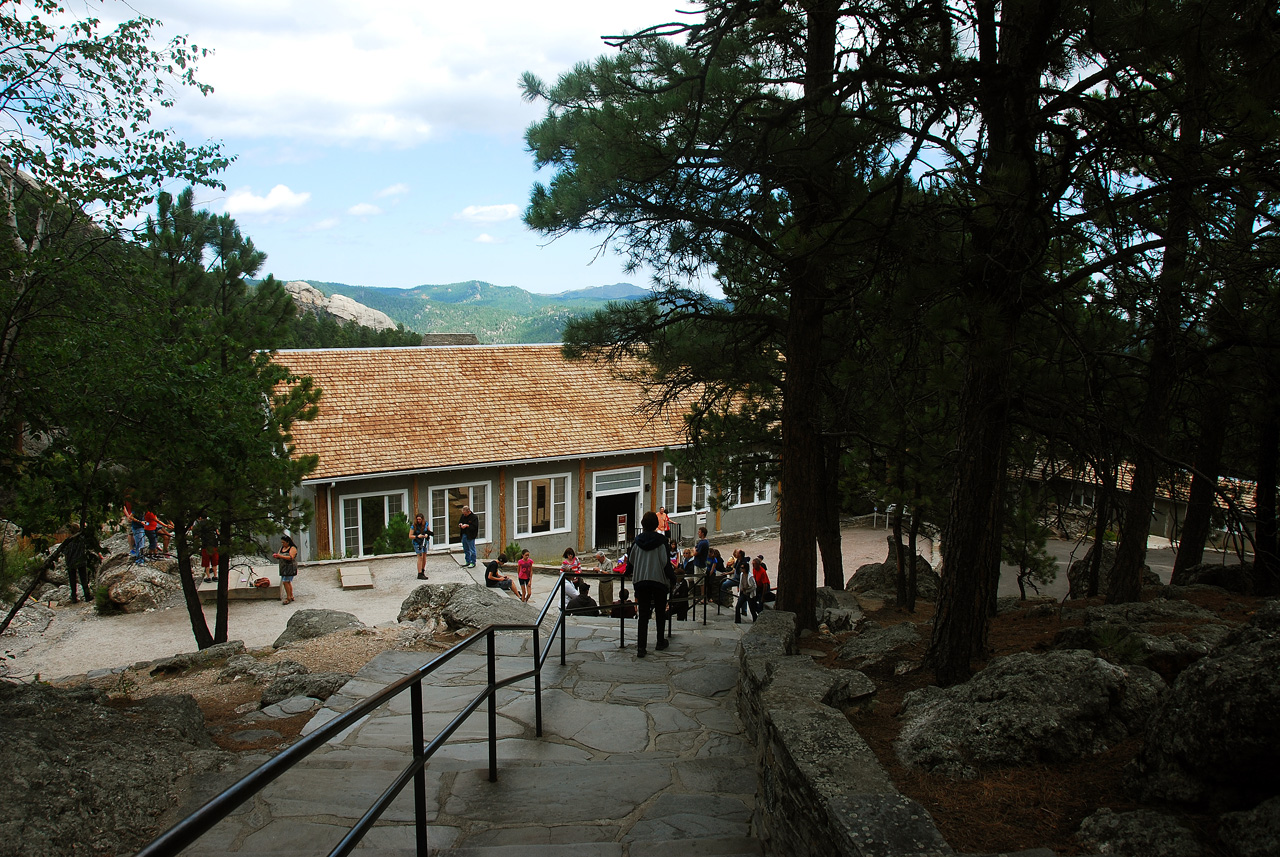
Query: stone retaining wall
{"type": "Point", "coordinates": [822, 792]}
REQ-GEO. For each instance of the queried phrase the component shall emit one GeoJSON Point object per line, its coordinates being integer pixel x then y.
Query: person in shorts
{"type": "Point", "coordinates": [288, 557]}
{"type": "Point", "coordinates": [524, 572]}
{"type": "Point", "coordinates": [207, 535]}
{"type": "Point", "coordinates": [421, 535]}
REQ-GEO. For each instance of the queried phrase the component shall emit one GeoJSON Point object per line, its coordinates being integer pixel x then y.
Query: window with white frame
{"type": "Point", "coordinates": [752, 491]}
{"type": "Point", "coordinates": [365, 516]}
{"type": "Point", "coordinates": [542, 505]}
{"type": "Point", "coordinates": [446, 509]}
{"type": "Point", "coordinates": [681, 497]}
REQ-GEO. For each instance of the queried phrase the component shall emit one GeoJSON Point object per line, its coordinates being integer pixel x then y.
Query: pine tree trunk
{"type": "Point", "coordinates": [1204, 482]}
{"type": "Point", "coordinates": [829, 543]}
{"type": "Point", "coordinates": [190, 592]}
{"type": "Point", "coordinates": [971, 537]}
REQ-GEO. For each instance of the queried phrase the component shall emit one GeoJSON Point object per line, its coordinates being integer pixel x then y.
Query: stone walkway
{"type": "Point", "coordinates": [638, 757]}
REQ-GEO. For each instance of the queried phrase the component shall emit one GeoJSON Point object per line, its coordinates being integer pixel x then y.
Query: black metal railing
{"type": "Point", "coordinates": [191, 828]}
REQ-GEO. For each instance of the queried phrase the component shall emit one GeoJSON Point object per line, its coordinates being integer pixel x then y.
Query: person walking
{"type": "Point", "coordinates": [288, 557]}
{"type": "Point", "coordinates": [469, 528]}
{"type": "Point", "coordinates": [421, 535]}
{"type": "Point", "coordinates": [524, 573]}
{"type": "Point", "coordinates": [650, 572]}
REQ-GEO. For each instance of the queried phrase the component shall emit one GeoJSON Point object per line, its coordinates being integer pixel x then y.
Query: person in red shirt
{"type": "Point", "coordinates": [761, 575]}
{"type": "Point", "coordinates": [524, 573]}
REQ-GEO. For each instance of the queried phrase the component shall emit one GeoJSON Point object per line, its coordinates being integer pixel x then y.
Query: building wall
{"type": "Point", "coordinates": [591, 493]}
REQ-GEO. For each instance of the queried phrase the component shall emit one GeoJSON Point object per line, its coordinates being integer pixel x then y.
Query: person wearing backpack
{"type": "Point", "coordinates": [650, 572]}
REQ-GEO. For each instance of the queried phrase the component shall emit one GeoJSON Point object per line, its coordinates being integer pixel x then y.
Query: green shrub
{"type": "Point", "coordinates": [16, 562]}
{"type": "Point", "coordinates": [395, 538]}
{"type": "Point", "coordinates": [513, 551]}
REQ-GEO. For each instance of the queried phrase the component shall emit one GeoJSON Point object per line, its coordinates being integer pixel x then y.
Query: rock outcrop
{"type": "Point", "coordinates": [310, 299]}
{"type": "Point", "coordinates": [1140, 833]}
{"type": "Point", "coordinates": [882, 578]}
{"type": "Point", "coordinates": [1216, 738]}
{"type": "Point", "coordinates": [86, 777]}
{"type": "Point", "coordinates": [138, 588]}
{"type": "Point", "coordinates": [308, 624]}
{"type": "Point", "coordinates": [451, 607]}
{"type": "Point", "coordinates": [1026, 708]}
{"type": "Point", "coordinates": [1078, 573]}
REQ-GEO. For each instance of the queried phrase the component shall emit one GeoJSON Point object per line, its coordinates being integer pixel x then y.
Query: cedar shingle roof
{"type": "Point", "coordinates": [395, 409]}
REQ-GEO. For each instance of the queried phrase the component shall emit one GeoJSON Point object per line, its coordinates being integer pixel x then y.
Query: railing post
{"type": "Point", "coordinates": [420, 776]}
{"type": "Point", "coordinates": [564, 623]}
{"type": "Point", "coordinates": [537, 680]}
{"type": "Point", "coordinates": [491, 644]}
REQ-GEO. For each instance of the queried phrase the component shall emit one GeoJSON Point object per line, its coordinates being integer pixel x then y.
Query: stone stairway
{"type": "Point", "coordinates": [639, 758]}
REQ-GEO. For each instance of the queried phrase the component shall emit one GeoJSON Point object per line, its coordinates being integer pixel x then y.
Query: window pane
{"type": "Point", "coordinates": [480, 505]}
{"type": "Point", "coordinates": [522, 507]}
{"type": "Point", "coordinates": [351, 527]}
{"type": "Point", "coordinates": [439, 519]}
{"type": "Point", "coordinates": [559, 502]}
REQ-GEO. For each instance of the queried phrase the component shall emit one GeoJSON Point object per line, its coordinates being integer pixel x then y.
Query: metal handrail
{"type": "Point", "coordinates": [195, 825]}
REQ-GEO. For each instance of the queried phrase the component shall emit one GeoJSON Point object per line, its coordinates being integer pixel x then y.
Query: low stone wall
{"type": "Point", "coordinates": [822, 792]}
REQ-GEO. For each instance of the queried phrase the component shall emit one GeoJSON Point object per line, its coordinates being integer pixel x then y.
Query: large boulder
{"type": "Point", "coordinates": [882, 578]}
{"type": "Point", "coordinates": [1078, 573]}
{"type": "Point", "coordinates": [1255, 833]}
{"type": "Point", "coordinates": [1026, 708]}
{"type": "Point", "coordinates": [1216, 738]}
{"type": "Point", "coordinates": [137, 588]}
{"type": "Point", "coordinates": [315, 685]}
{"type": "Point", "coordinates": [84, 776]}
{"type": "Point", "coordinates": [1239, 578]}
{"type": "Point", "coordinates": [1140, 833]}
{"type": "Point", "coordinates": [1168, 654]}
{"type": "Point", "coordinates": [250, 668]}
{"type": "Point", "coordinates": [309, 624]}
{"type": "Point", "coordinates": [875, 645]}
{"type": "Point", "coordinates": [197, 660]}
{"type": "Point", "coordinates": [454, 606]}
{"type": "Point", "coordinates": [838, 609]}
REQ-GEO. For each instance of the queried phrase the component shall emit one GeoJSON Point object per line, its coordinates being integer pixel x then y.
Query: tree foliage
{"type": "Point", "coordinates": [944, 232]}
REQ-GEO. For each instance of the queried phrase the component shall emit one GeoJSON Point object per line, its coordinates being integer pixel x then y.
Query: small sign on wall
{"type": "Point", "coordinates": [622, 529]}
{"type": "Point", "coordinates": [702, 518]}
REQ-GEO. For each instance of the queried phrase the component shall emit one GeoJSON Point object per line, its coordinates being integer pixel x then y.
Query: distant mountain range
{"type": "Point", "coordinates": [495, 314]}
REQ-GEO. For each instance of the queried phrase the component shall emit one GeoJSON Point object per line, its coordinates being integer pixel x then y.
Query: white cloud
{"type": "Point", "coordinates": [323, 225]}
{"type": "Point", "coordinates": [485, 238]}
{"type": "Point", "coordinates": [386, 72]}
{"type": "Point", "coordinates": [488, 213]}
{"type": "Point", "coordinates": [278, 200]}
{"type": "Point", "coordinates": [364, 209]}
{"type": "Point", "coordinates": [395, 190]}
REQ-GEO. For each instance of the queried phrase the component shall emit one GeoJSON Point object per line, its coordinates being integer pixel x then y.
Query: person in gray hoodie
{"type": "Point", "coordinates": [648, 563]}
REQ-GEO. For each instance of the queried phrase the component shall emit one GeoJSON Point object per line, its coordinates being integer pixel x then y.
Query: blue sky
{"type": "Point", "coordinates": [381, 143]}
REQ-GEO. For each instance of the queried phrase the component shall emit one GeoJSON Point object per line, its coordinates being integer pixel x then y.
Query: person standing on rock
{"type": "Point", "coordinates": [288, 557]}
{"type": "Point", "coordinates": [421, 535]}
{"type": "Point", "coordinates": [468, 529]}
{"type": "Point", "coordinates": [649, 567]}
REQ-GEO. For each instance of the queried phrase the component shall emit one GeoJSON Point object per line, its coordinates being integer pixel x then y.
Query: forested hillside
{"type": "Point", "coordinates": [495, 314]}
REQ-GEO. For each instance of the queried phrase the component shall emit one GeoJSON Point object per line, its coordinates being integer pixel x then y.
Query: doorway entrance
{"type": "Point", "coordinates": [606, 520]}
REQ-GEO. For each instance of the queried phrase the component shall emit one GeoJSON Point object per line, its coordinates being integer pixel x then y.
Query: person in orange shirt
{"type": "Point", "coordinates": [664, 521]}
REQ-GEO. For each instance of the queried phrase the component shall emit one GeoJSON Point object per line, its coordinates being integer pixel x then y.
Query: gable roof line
{"type": "Point", "coordinates": [449, 347]}
{"type": "Point", "coordinates": [508, 463]}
